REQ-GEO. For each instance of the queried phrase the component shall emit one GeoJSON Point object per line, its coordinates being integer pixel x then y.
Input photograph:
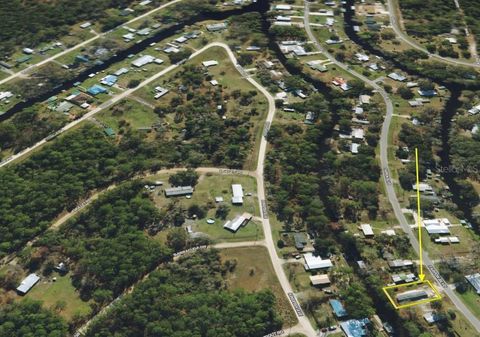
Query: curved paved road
{"type": "Point", "coordinates": [392, 196]}
{"type": "Point", "coordinates": [405, 38]}
{"type": "Point", "coordinates": [304, 326]}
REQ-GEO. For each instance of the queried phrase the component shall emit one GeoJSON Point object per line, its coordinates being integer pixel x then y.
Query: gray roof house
{"type": "Point", "coordinates": [27, 284]}
{"type": "Point", "coordinates": [178, 191]}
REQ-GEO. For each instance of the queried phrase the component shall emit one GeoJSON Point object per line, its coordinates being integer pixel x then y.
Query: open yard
{"type": "Point", "coordinates": [60, 296]}
{"type": "Point", "coordinates": [215, 185]}
{"type": "Point", "coordinates": [254, 272]}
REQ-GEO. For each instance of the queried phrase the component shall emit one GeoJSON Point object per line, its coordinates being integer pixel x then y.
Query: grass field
{"type": "Point", "coordinates": [128, 112]}
{"type": "Point", "coordinates": [472, 300]}
{"type": "Point", "coordinates": [254, 272]}
{"type": "Point", "coordinates": [209, 187]}
{"type": "Point", "coordinates": [51, 293]}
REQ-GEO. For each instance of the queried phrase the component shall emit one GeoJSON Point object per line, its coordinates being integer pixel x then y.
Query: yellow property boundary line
{"type": "Point", "coordinates": [437, 296]}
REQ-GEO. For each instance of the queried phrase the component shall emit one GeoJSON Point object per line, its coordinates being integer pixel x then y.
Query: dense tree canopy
{"type": "Point", "coordinates": [188, 299]}
{"type": "Point", "coordinates": [107, 242]}
{"type": "Point", "coordinates": [29, 319]}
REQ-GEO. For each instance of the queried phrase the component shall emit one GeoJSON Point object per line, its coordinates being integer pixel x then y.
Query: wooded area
{"type": "Point", "coordinates": [190, 299]}
{"type": "Point", "coordinates": [106, 244]}
{"type": "Point", "coordinates": [29, 319]}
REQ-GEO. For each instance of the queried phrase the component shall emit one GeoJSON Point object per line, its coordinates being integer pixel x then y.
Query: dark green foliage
{"type": "Point", "coordinates": [357, 301]}
{"type": "Point", "coordinates": [430, 18]}
{"type": "Point", "coordinates": [56, 178]}
{"type": "Point", "coordinates": [188, 299]}
{"type": "Point", "coordinates": [107, 242]}
{"type": "Point", "coordinates": [29, 319]}
{"type": "Point", "coordinates": [184, 178]}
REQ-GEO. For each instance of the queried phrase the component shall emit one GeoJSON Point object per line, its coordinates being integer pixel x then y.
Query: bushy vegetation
{"type": "Point", "coordinates": [29, 319]}
{"type": "Point", "coordinates": [472, 13]}
{"type": "Point", "coordinates": [429, 18]}
{"type": "Point", "coordinates": [189, 298]}
{"type": "Point", "coordinates": [57, 177]}
{"type": "Point", "coordinates": [106, 245]}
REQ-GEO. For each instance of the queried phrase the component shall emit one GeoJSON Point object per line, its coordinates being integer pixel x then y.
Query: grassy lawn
{"type": "Point", "coordinates": [297, 276]}
{"type": "Point", "coordinates": [437, 250]}
{"type": "Point", "coordinates": [211, 186]}
{"type": "Point", "coordinates": [51, 293]}
{"type": "Point", "coordinates": [254, 272]}
{"type": "Point", "coordinates": [472, 300]}
{"type": "Point", "coordinates": [128, 112]}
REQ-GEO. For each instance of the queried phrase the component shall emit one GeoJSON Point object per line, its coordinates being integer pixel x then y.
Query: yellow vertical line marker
{"type": "Point", "coordinates": [419, 222]}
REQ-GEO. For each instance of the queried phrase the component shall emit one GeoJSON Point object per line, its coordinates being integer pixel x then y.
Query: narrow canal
{"type": "Point", "coordinates": [259, 6]}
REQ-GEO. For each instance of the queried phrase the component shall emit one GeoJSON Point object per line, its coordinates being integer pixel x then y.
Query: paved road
{"type": "Point", "coordinates": [105, 105]}
{"type": "Point", "coordinates": [84, 43]}
{"type": "Point", "coordinates": [392, 196]}
{"type": "Point", "coordinates": [304, 326]}
{"type": "Point", "coordinates": [405, 38]}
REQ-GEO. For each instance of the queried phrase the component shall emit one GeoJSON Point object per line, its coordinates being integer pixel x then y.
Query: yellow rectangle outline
{"type": "Point", "coordinates": [435, 298]}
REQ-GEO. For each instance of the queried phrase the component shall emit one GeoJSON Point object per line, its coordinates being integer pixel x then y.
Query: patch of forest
{"type": "Point", "coordinates": [106, 246]}
{"type": "Point", "coordinates": [56, 178]}
{"type": "Point", "coordinates": [430, 18]}
{"type": "Point", "coordinates": [190, 298]}
{"type": "Point", "coordinates": [29, 319]}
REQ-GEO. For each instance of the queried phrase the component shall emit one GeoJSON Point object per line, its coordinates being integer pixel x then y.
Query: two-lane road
{"type": "Point", "coordinates": [390, 190]}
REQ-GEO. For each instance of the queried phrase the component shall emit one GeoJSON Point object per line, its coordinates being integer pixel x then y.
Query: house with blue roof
{"type": "Point", "coordinates": [338, 308]}
{"type": "Point", "coordinates": [96, 89]}
{"type": "Point", "coordinates": [109, 80]}
{"type": "Point", "coordinates": [355, 327]}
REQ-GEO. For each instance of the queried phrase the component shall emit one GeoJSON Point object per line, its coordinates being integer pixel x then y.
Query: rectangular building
{"type": "Point", "coordinates": [237, 222]}
{"type": "Point", "coordinates": [237, 191]}
{"type": "Point", "coordinates": [27, 284]}
{"type": "Point", "coordinates": [313, 262]}
{"type": "Point", "coordinates": [411, 295]}
{"type": "Point", "coordinates": [320, 280]}
{"type": "Point", "coordinates": [178, 191]}
{"type": "Point", "coordinates": [474, 280]}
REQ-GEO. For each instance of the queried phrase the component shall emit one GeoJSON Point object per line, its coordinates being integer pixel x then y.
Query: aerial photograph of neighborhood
{"type": "Point", "coordinates": [239, 168]}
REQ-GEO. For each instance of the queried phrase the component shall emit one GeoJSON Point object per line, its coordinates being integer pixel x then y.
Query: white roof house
{"type": "Point", "coordinates": [85, 25]}
{"type": "Point", "coordinates": [316, 262]}
{"type": "Point", "coordinates": [142, 61]}
{"type": "Point", "coordinates": [5, 95]}
{"type": "Point", "coordinates": [27, 283]}
{"type": "Point", "coordinates": [354, 148]}
{"type": "Point", "coordinates": [397, 77]}
{"type": "Point", "coordinates": [364, 99]}
{"type": "Point", "coordinates": [436, 226]}
{"type": "Point", "coordinates": [367, 229]}
{"type": "Point", "coordinates": [283, 7]}
{"type": "Point", "coordinates": [358, 133]}
{"type": "Point", "coordinates": [423, 187]}
{"type": "Point", "coordinates": [474, 280]}
{"type": "Point", "coordinates": [160, 92]}
{"type": "Point", "coordinates": [362, 57]}
{"type": "Point", "coordinates": [237, 191]}
{"type": "Point", "coordinates": [210, 63]}
{"type": "Point", "coordinates": [237, 222]}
